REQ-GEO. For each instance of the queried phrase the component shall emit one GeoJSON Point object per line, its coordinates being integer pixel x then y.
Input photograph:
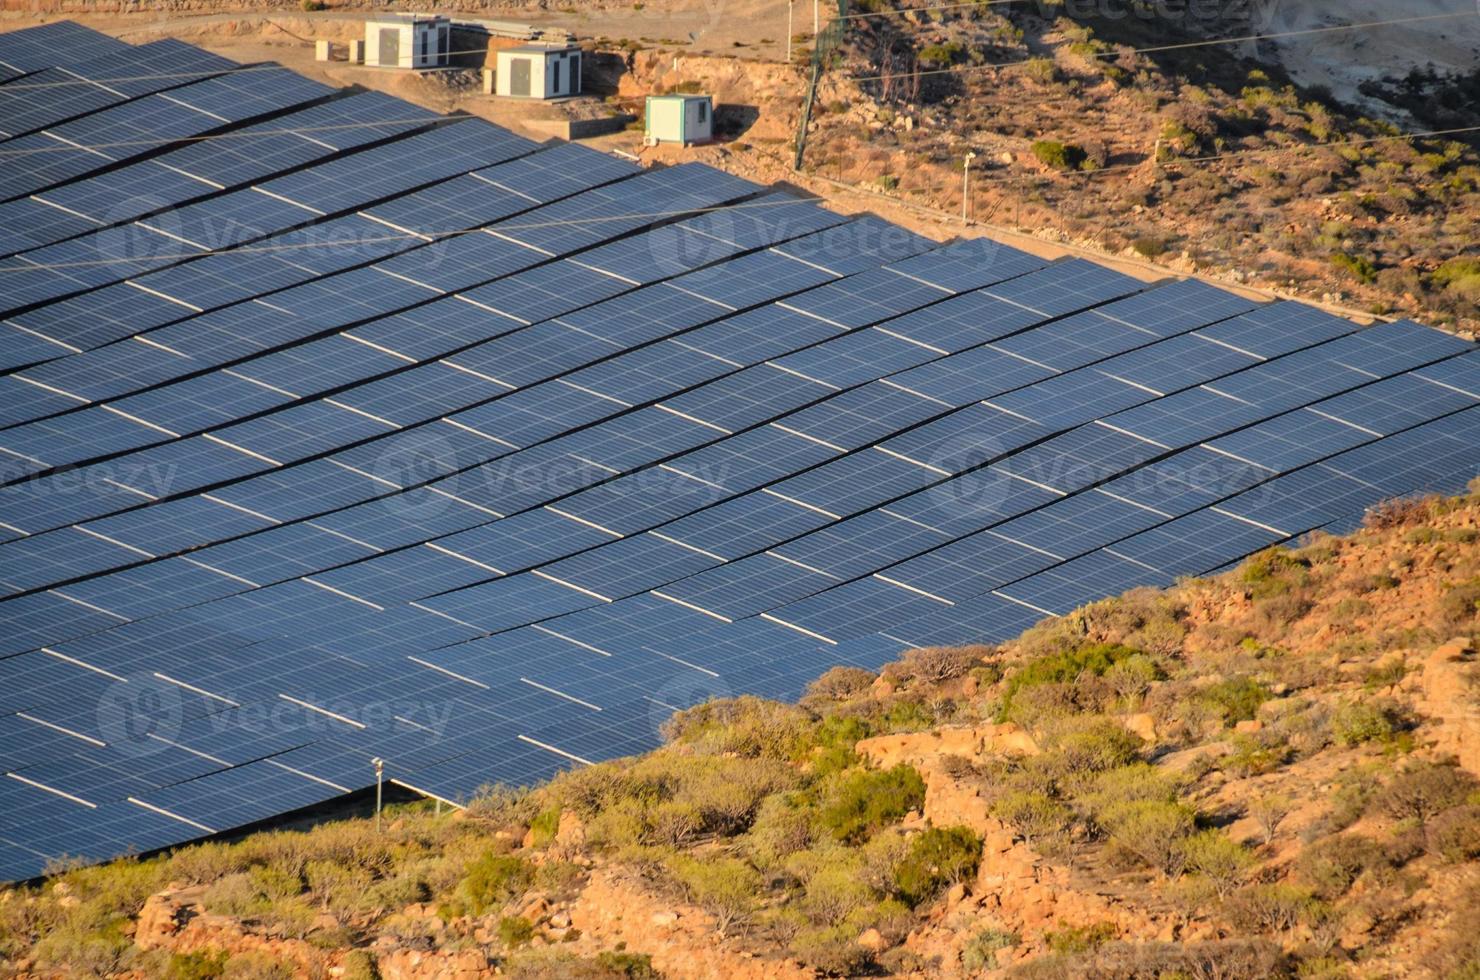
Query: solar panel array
{"type": "Point", "coordinates": [354, 432]}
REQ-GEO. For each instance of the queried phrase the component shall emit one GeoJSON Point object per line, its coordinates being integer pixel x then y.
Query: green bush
{"type": "Point", "coordinates": [834, 891]}
{"type": "Point", "coordinates": [1332, 865]}
{"type": "Point", "coordinates": [746, 726]}
{"type": "Point", "coordinates": [255, 965]}
{"type": "Point", "coordinates": [1060, 156]}
{"type": "Point", "coordinates": [1219, 859]}
{"type": "Point", "coordinates": [863, 800]}
{"type": "Point", "coordinates": [980, 952]}
{"type": "Point", "coordinates": [1423, 791]}
{"type": "Point", "coordinates": [781, 828]}
{"type": "Point", "coordinates": [941, 55]}
{"type": "Point", "coordinates": [831, 743]}
{"type": "Point", "coordinates": [1255, 756]}
{"type": "Point", "coordinates": [1234, 699]}
{"type": "Point", "coordinates": [1136, 783]}
{"type": "Point", "coordinates": [1041, 70]}
{"type": "Point", "coordinates": [726, 888]}
{"type": "Point", "coordinates": [1360, 268]}
{"type": "Point", "coordinates": [1064, 667]}
{"type": "Point", "coordinates": [1098, 746]}
{"type": "Point", "coordinates": [493, 880]}
{"type": "Point", "coordinates": [937, 858]}
{"type": "Point", "coordinates": [201, 964]}
{"type": "Point", "coordinates": [1150, 832]}
{"type": "Point", "coordinates": [1455, 833]}
{"type": "Point", "coordinates": [1266, 908]}
{"type": "Point", "coordinates": [359, 964]}
{"type": "Point", "coordinates": [633, 966]}
{"type": "Point", "coordinates": [515, 931]}
{"type": "Point", "coordinates": [1041, 819]}
{"type": "Point", "coordinates": [544, 826]}
{"type": "Point", "coordinates": [1361, 721]}
{"type": "Point", "coordinates": [1271, 572]}
{"type": "Point", "coordinates": [1149, 247]}
{"type": "Point", "coordinates": [1079, 939]}
{"type": "Point", "coordinates": [831, 949]}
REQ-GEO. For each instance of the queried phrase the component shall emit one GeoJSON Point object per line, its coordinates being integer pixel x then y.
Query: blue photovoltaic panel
{"type": "Point", "coordinates": [64, 42]}
{"type": "Point", "coordinates": [653, 436]}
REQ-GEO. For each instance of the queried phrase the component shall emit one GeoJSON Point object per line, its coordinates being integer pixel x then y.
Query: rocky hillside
{"type": "Point", "coordinates": [1209, 158]}
{"type": "Point", "coordinates": [1272, 773]}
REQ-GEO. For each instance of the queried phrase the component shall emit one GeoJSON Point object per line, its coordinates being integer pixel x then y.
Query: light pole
{"type": "Point", "coordinates": [966, 188]}
{"type": "Point", "coordinates": [379, 765]}
{"type": "Point", "coordinates": [789, 5]}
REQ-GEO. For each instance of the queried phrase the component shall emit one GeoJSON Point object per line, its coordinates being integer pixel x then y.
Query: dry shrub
{"type": "Point", "coordinates": [1229, 959]}
{"type": "Point", "coordinates": [838, 684]}
{"type": "Point", "coordinates": [1398, 512]}
{"type": "Point", "coordinates": [934, 665]}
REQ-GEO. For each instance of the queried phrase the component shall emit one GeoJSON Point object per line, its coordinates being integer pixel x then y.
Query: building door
{"type": "Point", "coordinates": [390, 47]}
{"type": "Point", "coordinates": [519, 76]}
{"type": "Point", "coordinates": [559, 87]}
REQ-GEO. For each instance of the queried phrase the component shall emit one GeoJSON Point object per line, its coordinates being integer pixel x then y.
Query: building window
{"type": "Point", "coordinates": [703, 112]}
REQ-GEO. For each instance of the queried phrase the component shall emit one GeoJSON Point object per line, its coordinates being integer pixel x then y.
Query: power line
{"type": "Point", "coordinates": [14, 86]}
{"type": "Point", "coordinates": [252, 134]}
{"type": "Point", "coordinates": [1180, 46]}
{"type": "Point", "coordinates": [567, 222]}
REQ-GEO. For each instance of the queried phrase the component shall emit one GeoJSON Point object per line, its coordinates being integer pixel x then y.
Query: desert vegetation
{"type": "Point", "coordinates": [1267, 773]}
{"type": "Point", "coordinates": [1205, 158]}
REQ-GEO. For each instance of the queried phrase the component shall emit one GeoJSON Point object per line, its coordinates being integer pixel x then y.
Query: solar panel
{"type": "Point", "coordinates": [562, 445]}
{"type": "Point", "coordinates": [32, 48]}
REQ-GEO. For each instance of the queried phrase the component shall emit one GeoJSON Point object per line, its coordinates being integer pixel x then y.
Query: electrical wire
{"type": "Point", "coordinates": [1179, 46]}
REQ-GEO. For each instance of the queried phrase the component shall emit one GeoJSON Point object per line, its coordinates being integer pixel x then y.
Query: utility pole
{"type": "Point", "coordinates": [966, 188]}
{"type": "Point", "coordinates": [379, 765]}
{"type": "Point", "coordinates": [814, 23]}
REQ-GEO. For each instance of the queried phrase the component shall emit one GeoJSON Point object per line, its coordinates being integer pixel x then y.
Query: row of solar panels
{"type": "Point", "coordinates": [494, 493]}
